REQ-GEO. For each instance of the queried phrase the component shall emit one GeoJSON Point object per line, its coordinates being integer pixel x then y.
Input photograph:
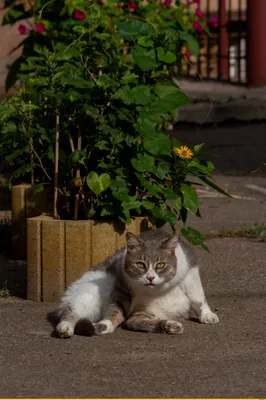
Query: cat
{"type": "Point", "coordinates": [146, 286]}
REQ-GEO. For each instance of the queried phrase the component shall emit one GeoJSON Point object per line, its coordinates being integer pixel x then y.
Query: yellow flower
{"type": "Point", "coordinates": [183, 152]}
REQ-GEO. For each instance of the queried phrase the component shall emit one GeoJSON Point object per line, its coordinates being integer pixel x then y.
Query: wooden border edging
{"type": "Point", "coordinates": [59, 252]}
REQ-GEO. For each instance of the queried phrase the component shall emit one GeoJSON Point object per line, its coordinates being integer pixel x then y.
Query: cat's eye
{"type": "Point", "coordinates": [141, 265]}
{"type": "Point", "coordinates": [160, 265]}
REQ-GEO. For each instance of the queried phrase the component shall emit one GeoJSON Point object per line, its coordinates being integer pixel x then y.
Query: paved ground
{"type": "Point", "coordinates": [225, 360]}
{"type": "Point", "coordinates": [238, 149]}
{"type": "Point", "coordinates": [219, 102]}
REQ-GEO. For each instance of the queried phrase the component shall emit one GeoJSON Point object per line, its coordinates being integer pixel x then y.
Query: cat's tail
{"type": "Point", "coordinates": [82, 326]}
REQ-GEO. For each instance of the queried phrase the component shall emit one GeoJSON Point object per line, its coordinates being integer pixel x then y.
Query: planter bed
{"type": "Point", "coordinates": [59, 252]}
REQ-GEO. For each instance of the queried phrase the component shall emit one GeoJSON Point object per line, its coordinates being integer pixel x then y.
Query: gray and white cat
{"type": "Point", "coordinates": [146, 286]}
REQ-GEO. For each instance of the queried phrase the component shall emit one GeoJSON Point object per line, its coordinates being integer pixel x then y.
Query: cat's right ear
{"type": "Point", "coordinates": [133, 242]}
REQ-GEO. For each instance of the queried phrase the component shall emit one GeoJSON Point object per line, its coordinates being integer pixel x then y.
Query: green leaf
{"type": "Point", "coordinates": [157, 143]}
{"type": "Point", "coordinates": [162, 170]}
{"type": "Point", "coordinates": [170, 195]}
{"type": "Point", "coordinates": [202, 166]}
{"type": "Point", "coordinates": [154, 189]}
{"type": "Point", "coordinates": [105, 82]}
{"type": "Point", "coordinates": [108, 209]}
{"type": "Point", "coordinates": [190, 198]}
{"type": "Point", "coordinates": [125, 95]}
{"type": "Point", "coordinates": [144, 58]}
{"type": "Point", "coordinates": [38, 188]}
{"type": "Point", "coordinates": [171, 92]}
{"type": "Point", "coordinates": [12, 74]}
{"type": "Point", "coordinates": [177, 205]}
{"type": "Point", "coordinates": [192, 42]}
{"type": "Point", "coordinates": [168, 57]}
{"type": "Point", "coordinates": [66, 50]}
{"type": "Point", "coordinates": [119, 185]}
{"type": "Point", "coordinates": [129, 77]}
{"type": "Point", "coordinates": [76, 156]}
{"type": "Point", "coordinates": [149, 205]}
{"type": "Point", "coordinates": [170, 98]}
{"type": "Point", "coordinates": [131, 203]}
{"type": "Point", "coordinates": [144, 41]}
{"type": "Point", "coordinates": [66, 78]}
{"type": "Point", "coordinates": [194, 237]}
{"type": "Point", "coordinates": [98, 183]}
{"type": "Point", "coordinates": [132, 29]}
{"type": "Point", "coordinates": [141, 94]}
{"type": "Point", "coordinates": [5, 111]}
{"type": "Point", "coordinates": [164, 214]}
{"type": "Point", "coordinates": [144, 163]}
{"type": "Point", "coordinates": [93, 112]}
{"type": "Point", "coordinates": [102, 145]}
{"type": "Point", "coordinates": [197, 148]}
{"type": "Point", "coordinates": [145, 126]}
{"type": "Point", "coordinates": [22, 171]}
{"type": "Point", "coordinates": [102, 36]}
{"type": "Point", "coordinates": [214, 186]}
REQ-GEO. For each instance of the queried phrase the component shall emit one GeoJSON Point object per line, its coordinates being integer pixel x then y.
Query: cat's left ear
{"type": "Point", "coordinates": [171, 243]}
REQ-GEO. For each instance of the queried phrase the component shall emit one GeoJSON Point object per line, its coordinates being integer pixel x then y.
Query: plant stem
{"type": "Point", "coordinates": [71, 143]}
{"type": "Point", "coordinates": [31, 159]}
{"type": "Point", "coordinates": [45, 106]}
{"type": "Point", "coordinates": [40, 161]}
{"type": "Point", "coordinates": [56, 162]}
{"type": "Point", "coordinates": [87, 69]}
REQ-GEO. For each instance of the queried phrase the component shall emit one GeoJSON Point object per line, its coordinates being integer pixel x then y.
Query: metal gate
{"type": "Point", "coordinates": [223, 54]}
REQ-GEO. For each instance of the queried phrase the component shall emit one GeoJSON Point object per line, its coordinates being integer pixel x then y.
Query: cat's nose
{"type": "Point", "coordinates": [150, 278]}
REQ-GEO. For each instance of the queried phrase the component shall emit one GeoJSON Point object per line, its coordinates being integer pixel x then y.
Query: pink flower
{"type": "Point", "coordinates": [22, 29]}
{"type": "Point", "coordinates": [79, 15]}
{"type": "Point", "coordinates": [40, 27]}
{"type": "Point", "coordinates": [167, 3]}
{"type": "Point", "coordinates": [188, 54]}
{"type": "Point", "coordinates": [197, 26]}
{"type": "Point", "coordinates": [214, 21]}
{"type": "Point", "coordinates": [131, 4]}
{"type": "Point", "coordinates": [199, 13]}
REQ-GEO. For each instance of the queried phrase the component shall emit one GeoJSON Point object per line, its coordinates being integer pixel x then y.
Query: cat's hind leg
{"type": "Point", "coordinates": [143, 321]}
{"type": "Point", "coordinates": [66, 326]}
{"type": "Point", "coordinates": [192, 286]}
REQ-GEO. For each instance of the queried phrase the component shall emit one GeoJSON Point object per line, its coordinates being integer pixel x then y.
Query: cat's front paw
{"type": "Point", "coordinates": [173, 327]}
{"type": "Point", "coordinates": [209, 318]}
{"type": "Point", "coordinates": [65, 329]}
{"type": "Point", "coordinates": [103, 327]}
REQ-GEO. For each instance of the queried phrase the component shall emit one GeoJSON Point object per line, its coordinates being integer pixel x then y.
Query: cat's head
{"type": "Point", "coordinates": [150, 264]}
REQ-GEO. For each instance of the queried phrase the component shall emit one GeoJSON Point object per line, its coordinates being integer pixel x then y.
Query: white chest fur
{"type": "Point", "coordinates": [164, 305]}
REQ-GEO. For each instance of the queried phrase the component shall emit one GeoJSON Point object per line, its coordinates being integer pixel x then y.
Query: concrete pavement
{"type": "Point", "coordinates": [219, 102]}
{"type": "Point", "coordinates": [223, 360]}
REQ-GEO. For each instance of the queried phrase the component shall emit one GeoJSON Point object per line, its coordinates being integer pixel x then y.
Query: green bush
{"type": "Point", "coordinates": [50, 22]}
{"type": "Point", "coordinates": [88, 122]}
